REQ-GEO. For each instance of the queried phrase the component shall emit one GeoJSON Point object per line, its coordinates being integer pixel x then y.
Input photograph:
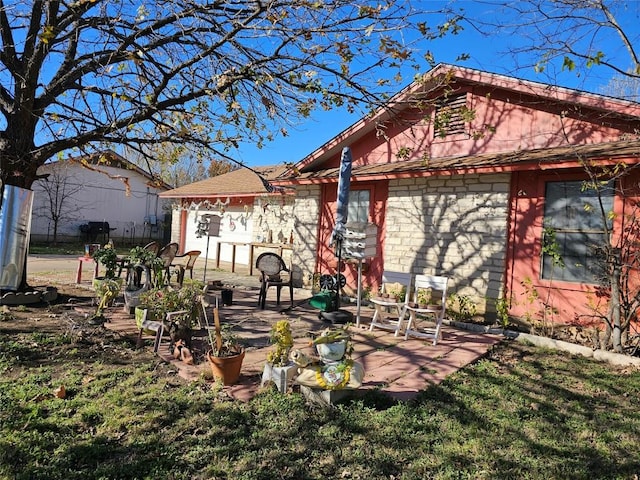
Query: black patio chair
{"type": "Point", "coordinates": [273, 273]}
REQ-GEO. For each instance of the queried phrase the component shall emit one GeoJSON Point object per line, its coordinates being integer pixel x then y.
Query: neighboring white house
{"type": "Point", "coordinates": [251, 218]}
{"type": "Point", "coordinates": [100, 188]}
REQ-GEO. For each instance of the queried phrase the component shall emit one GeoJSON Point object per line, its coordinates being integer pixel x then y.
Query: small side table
{"type": "Point", "coordinates": [81, 261]}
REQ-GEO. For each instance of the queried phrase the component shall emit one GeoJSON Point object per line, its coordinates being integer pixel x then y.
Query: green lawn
{"type": "Point", "coordinates": [521, 413]}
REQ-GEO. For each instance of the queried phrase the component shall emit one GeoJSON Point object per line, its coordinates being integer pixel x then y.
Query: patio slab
{"type": "Point", "coordinates": [400, 368]}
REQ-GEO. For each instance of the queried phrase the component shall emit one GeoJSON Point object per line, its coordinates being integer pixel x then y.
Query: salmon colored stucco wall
{"type": "Point", "coordinates": [571, 302]}
{"type": "Point", "coordinates": [327, 260]}
{"type": "Point", "coordinates": [504, 121]}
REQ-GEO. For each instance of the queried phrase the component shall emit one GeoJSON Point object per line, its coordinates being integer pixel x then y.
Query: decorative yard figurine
{"type": "Point", "coordinates": [300, 358]}
{"type": "Point", "coordinates": [335, 370]}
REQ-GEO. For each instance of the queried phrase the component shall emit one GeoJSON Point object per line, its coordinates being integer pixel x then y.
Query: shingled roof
{"type": "Point", "coordinates": [523, 159]}
{"type": "Point", "coordinates": [242, 182]}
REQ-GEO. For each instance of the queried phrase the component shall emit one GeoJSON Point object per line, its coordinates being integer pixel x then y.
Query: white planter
{"type": "Point", "coordinates": [281, 376]}
{"type": "Point", "coordinates": [331, 352]}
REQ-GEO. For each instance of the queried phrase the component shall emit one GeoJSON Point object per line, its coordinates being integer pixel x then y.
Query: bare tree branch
{"type": "Point", "coordinates": [207, 75]}
{"type": "Point", "coordinates": [567, 34]}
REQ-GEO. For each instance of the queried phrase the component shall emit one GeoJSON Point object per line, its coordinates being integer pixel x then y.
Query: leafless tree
{"type": "Point", "coordinates": [59, 188]}
{"type": "Point", "coordinates": [570, 35]}
{"type": "Point", "coordinates": [623, 87]}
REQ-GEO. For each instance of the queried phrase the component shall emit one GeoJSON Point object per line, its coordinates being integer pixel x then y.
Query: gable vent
{"type": "Point", "coordinates": [451, 115]}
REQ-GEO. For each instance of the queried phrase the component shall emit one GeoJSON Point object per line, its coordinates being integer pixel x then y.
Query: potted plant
{"type": "Point", "coordinates": [279, 369]}
{"type": "Point", "coordinates": [140, 258]}
{"type": "Point", "coordinates": [108, 258]}
{"type": "Point", "coordinates": [135, 288]}
{"type": "Point", "coordinates": [397, 292]}
{"type": "Point", "coordinates": [160, 301]}
{"type": "Point", "coordinates": [424, 297]}
{"type": "Point", "coordinates": [140, 261]}
{"type": "Point", "coordinates": [226, 355]}
{"type": "Point", "coordinates": [157, 302]}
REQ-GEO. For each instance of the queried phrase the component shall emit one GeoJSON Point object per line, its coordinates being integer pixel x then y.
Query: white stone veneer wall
{"type": "Point", "coordinates": [452, 226]}
{"type": "Point", "coordinates": [305, 233]}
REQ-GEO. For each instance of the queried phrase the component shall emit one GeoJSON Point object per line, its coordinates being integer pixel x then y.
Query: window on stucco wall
{"type": "Point", "coordinates": [358, 206]}
{"type": "Point", "coordinates": [572, 212]}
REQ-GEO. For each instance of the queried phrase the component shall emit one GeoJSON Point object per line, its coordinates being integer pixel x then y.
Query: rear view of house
{"type": "Point", "coordinates": [464, 173]}
{"type": "Point", "coordinates": [510, 188]}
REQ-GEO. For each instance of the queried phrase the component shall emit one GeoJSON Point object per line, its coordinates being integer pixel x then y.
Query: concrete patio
{"type": "Point", "coordinates": [396, 367]}
{"type": "Point", "coordinates": [392, 365]}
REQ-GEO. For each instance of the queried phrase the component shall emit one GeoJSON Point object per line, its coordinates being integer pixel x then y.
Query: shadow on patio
{"type": "Point", "coordinates": [396, 367]}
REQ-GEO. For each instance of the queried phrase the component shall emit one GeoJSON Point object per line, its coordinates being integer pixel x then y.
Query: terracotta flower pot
{"type": "Point", "coordinates": [226, 368]}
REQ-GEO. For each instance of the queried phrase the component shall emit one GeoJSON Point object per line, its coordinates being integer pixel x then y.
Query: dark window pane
{"type": "Point", "coordinates": [578, 230]}
{"type": "Point", "coordinates": [568, 207]}
{"type": "Point", "coordinates": [581, 264]}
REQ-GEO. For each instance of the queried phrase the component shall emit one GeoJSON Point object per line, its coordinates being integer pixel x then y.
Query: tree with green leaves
{"type": "Point", "coordinates": [585, 37]}
{"type": "Point", "coordinates": [80, 76]}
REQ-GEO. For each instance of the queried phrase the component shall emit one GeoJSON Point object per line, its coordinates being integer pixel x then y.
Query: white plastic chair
{"type": "Point", "coordinates": [150, 325]}
{"type": "Point", "coordinates": [384, 307]}
{"type": "Point", "coordinates": [435, 308]}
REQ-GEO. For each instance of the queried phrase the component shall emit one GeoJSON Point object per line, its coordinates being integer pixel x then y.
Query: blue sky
{"type": "Point", "coordinates": [488, 54]}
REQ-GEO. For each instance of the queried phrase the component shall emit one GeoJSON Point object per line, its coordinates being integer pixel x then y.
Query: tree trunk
{"type": "Point", "coordinates": [19, 169]}
{"type": "Point", "coordinates": [615, 307]}
{"type": "Point", "coordinates": [55, 232]}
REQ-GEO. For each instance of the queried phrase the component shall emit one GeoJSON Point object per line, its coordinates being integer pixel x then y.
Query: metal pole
{"type": "Point", "coordinates": [206, 258]}
{"type": "Point", "coordinates": [359, 292]}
